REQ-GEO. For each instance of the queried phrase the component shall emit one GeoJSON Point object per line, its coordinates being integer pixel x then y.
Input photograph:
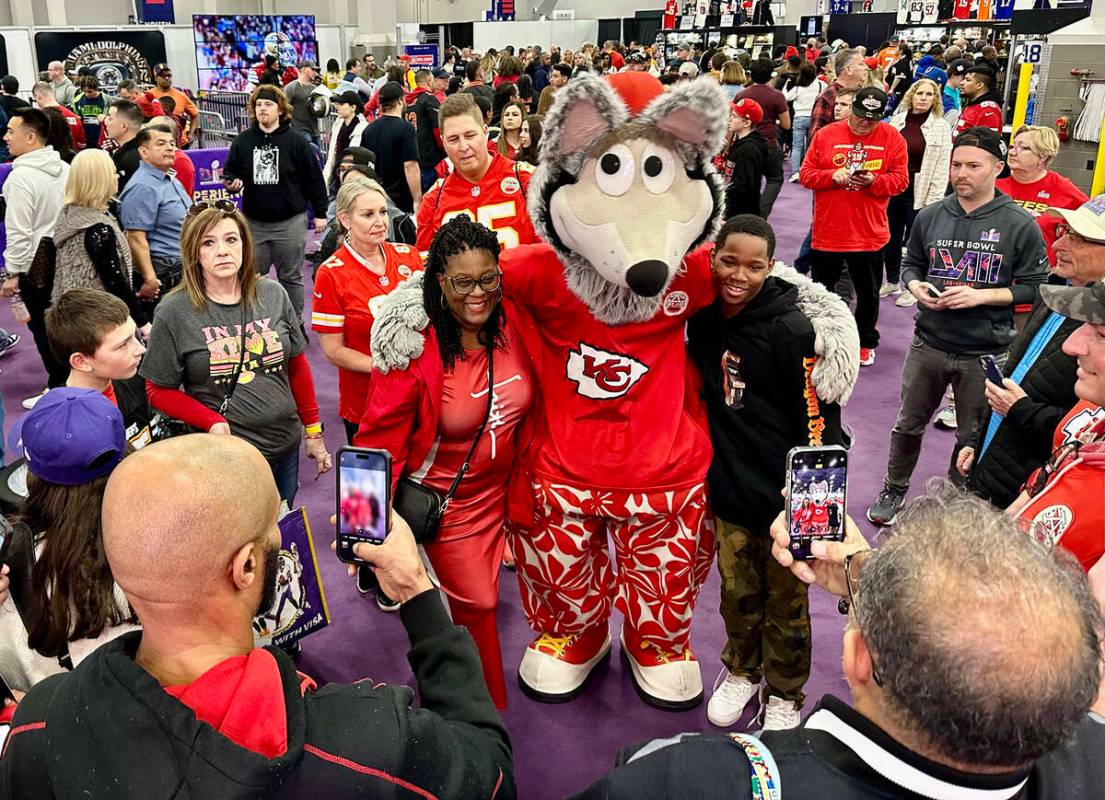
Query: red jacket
{"type": "Point", "coordinates": [403, 407]}
{"type": "Point", "coordinates": [846, 220]}
{"type": "Point", "coordinates": [76, 127]}
{"type": "Point", "coordinates": [984, 112]}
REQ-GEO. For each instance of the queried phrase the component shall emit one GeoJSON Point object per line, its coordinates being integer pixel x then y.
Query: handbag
{"type": "Point", "coordinates": [423, 507]}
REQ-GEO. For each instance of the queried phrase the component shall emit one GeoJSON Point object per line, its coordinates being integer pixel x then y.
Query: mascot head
{"type": "Point", "coordinates": [625, 188]}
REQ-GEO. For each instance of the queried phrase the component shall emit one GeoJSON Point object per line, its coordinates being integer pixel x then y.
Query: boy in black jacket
{"type": "Point", "coordinates": [755, 349]}
{"type": "Point", "coordinates": [746, 159]}
{"type": "Point", "coordinates": [278, 174]}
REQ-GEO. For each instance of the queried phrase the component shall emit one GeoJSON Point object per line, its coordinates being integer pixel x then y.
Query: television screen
{"type": "Point", "coordinates": [230, 51]}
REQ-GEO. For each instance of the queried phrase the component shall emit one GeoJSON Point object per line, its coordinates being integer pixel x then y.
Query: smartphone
{"type": "Point", "coordinates": [364, 499]}
{"type": "Point", "coordinates": [817, 488]}
{"type": "Point", "coordinates": [992, 370]}
{"type": "Point", "coordinates": [934, 293]}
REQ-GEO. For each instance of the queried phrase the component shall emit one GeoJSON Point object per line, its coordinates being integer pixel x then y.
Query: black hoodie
{"type": "Point", "coordinates": [280, 174]}
{"type": "Point", "coordinates": [997, 246]}
{"type": "Point", "coordinates": [747, 157]}
{"type": "Point", "coordinates": [775, 343]}
{"type": "Point", "coordinates": [108, 730]}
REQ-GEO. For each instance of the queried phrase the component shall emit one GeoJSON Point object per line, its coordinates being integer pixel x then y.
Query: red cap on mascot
{"type": "Point", "coordinates": [636, 89]}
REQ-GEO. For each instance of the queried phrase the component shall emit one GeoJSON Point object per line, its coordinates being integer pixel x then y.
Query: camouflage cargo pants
{"type": "Point", "coordinates": [766, 613]}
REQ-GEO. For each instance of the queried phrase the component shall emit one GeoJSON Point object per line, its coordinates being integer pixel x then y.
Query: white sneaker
{"type": "Point", "coordinates": [732, 694]}
{"type": "Point", "coordinates": [780, 714]}
{"type": "Point", "coordinates": [905, 299]}
{"type": "Point", "coordinates": [945, 419]}
{"type": "Point", "coordinates": [888, 289]}
{"type": "Point", "coordinates": [30, 402]}
{"type": "Point", "coordinates": [794, 178]}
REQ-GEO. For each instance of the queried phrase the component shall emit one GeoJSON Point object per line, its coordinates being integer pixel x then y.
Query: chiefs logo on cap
{"type": "Point", "coordinates": [871, 103]}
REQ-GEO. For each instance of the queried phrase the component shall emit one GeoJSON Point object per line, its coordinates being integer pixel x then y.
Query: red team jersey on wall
{"type": "Point", "coordinates": [671, 10]}
{"type": "Point", "coordinates": [498, 203]}
{"type": "Point", "coordinates": [962, 9]}
{"type": "Point", "coordinates": [346, 297]}
{"type": "Point", "coordinates": [1051, 190]}
{"type": "Point", "coordinates": [614, 398]}
{"type": "Point", "coordinates": [1070, 511]}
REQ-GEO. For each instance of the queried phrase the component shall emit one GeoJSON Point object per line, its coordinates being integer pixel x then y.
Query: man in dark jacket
{"type": "Point", "coordinates": [278, 175]}
{"type": "Point", "coordinates": [970, 259]}
{"type": "Point", "coordinates": [755, 349]}
{"type": "Point", "coordinates": [981, 101]}
{"type": "Point", "coordinates": [423, 104]}
{"type": "Point", "coordinates": [1015, 436]}
{"type": "Point", "coordinates": [188, 706]}
{"type": "Point", "coordinates": [947, 695]}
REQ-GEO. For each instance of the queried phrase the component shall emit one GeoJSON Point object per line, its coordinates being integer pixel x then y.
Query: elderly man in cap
{"type": "Point", "coordinates": [1039, 379]}
{"type": "Point", "coordinates": [183, 105]}
{"type": "Point", "coordinates": [1063, 499]}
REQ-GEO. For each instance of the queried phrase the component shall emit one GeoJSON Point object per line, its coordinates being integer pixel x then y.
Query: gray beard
{"type": "Point", "coordinates": [609, 304]}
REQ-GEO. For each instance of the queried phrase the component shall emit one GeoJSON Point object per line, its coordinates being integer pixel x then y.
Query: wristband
{"type": "Point", "coordinates": [314, 430]}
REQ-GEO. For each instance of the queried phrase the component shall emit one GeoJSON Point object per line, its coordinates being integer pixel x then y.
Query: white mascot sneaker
{"type": "Point", "coordinates": [671, 681]}
{"type": "Point", "coordinates": [555, 669]}
{"type": "Point", "coordinates": [732, 694]}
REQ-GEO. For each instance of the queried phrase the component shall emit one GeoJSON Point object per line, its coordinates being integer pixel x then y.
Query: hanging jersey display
{"type": "Point", "coordinates": [962, 9]}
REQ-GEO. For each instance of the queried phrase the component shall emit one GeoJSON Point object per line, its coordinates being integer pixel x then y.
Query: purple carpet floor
{"type": "Point", "coordinates": [559, 749]}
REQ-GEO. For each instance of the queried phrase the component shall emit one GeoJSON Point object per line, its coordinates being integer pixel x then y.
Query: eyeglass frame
{"type": "Point", "coordinates": [497, 275]}
{"type": "Point", "coordinates": [849, 603]}
{"type": "Point", "coordinates": [1066, 229]}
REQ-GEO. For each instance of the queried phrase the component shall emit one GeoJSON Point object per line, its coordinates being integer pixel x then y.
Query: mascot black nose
{"type": "Point", "coordinates": [647, 278]}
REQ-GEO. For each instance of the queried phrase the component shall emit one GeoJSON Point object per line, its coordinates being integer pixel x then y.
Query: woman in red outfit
{"type": "Point", "coordinates": [1033, 186]}
{"type": "Point", "coordinates": [428, 414]}
{"type": "Point", "coordinates": [349, 287]}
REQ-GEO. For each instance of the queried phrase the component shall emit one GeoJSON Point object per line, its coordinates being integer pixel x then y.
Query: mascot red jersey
{"type": "Point", "coordinates": [623, 194]}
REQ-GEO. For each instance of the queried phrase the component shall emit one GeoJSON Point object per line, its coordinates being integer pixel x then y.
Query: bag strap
{"type": "Point", "coordinates": [479, 434]}
{"type": "Point", "coordinates": [225, 404]}
{"type": "Point", "coordinates": [767, 784]}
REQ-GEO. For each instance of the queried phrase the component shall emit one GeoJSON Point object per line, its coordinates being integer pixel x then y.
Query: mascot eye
{"type": "Point", "coordinates": [659, 169]}
{"type": "Point", "coordinates": [615, 170]}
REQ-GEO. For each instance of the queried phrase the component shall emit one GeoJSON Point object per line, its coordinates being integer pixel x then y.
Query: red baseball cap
{"type": "Point", "coordinates": [749, 109]}
{"type": "Point", "coordinates": [404, 57]}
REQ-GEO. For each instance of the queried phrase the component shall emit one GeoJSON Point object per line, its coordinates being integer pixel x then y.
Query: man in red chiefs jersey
{"type": "Point", "coordinates": [981, 101]}
{"type": "Point", "coordinates": [491, 189]}
{"type": "Point", "coordinates": [1063, 499]}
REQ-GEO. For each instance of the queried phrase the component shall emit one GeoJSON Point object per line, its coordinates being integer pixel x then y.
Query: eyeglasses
{"type": "Point", "coordinates": [1063, 229]}
{"type": "Point", "coordinates": [223, 205]}
{"type": "Point", "coordinates": [465, 285]}
{"type": "Point", "coordinates": [851, 581]}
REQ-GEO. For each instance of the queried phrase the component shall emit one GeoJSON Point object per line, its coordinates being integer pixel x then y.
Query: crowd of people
{"type": "Point", "coordinates": [468, 232]}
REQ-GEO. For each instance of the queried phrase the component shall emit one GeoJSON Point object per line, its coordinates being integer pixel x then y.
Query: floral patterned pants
{"type": "Point", "coordinates": [663, 547]}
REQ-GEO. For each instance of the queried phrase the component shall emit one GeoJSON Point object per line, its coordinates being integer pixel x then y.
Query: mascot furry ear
{"type": "Point", "coordinates": [625, 188]}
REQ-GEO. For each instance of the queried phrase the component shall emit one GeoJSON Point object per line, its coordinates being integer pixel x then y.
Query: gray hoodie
{"type": "Point", "coordinates": [32, 193]}
{"type": "Point", "coordinates": [997, 246]}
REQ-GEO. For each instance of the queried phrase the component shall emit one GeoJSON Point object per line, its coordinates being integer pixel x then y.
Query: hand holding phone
{"type": "Point", "coordinates": [993, 372]}
{"type": "Point", "coordinates": [817, 484]}
{"type": "Point", "coordinates": [363, 499]}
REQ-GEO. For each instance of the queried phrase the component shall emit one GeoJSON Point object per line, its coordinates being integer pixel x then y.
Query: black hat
{"type": "Point", "coordinates": [349, 98]}
{"type": "Point", "coordinates": [637, 57]}
{"type": "Point", "coordinates": [442, 73]}
{"type": "Point", "coordinates": [958, 67]}
{"type": "Point", "coordinates": [870, 103]}
{"type": "Point", "coordinates": [984, 139]}
{"type": "Point", "coordinates": [159, 68]}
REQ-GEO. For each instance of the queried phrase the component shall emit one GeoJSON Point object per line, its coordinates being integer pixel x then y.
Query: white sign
{"type": "Point", "coordinates": [1030, 52]}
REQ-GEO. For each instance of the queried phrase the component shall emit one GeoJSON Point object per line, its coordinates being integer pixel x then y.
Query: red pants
{"type": "Point", "coordinates": [663, 543]}
{"type": "Point", "coordinates": [467, 570]}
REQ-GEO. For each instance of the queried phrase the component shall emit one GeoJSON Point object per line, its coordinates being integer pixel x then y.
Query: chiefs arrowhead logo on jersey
{"type": "Point", "coordinates": [601, 375]}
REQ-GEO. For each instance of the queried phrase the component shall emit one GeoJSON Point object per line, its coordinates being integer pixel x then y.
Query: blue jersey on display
{"type": "Point", "coordinates": [838, 7]}
{"type": "Point", "coordinates": [1003, 9]}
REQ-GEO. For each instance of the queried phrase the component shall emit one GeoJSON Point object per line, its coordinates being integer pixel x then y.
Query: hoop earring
{"type": "Point", "coordinates": [443, 300]}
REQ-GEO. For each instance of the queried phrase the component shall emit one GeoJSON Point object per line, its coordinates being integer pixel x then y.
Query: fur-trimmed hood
{"type": "Point", "coordinates": [397, 332]}
{"type": "Point", "coordinates": [836, 337]}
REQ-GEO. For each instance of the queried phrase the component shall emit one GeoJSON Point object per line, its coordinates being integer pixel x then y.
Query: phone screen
{"type": "Point", "coordinates": [818, 479]}
{"type": "Point", "coordinates": [364, 488]}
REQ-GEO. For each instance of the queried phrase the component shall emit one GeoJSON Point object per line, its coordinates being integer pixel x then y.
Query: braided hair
{"type": "Point", "coordinates": [459, 235]}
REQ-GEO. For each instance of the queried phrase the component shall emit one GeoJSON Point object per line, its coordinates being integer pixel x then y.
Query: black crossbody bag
{"type": "Point", "coordinates": [423, 507]}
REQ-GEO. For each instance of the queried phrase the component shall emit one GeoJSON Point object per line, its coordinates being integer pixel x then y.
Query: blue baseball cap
{"type": "Point", "coordinates": [71, 436]}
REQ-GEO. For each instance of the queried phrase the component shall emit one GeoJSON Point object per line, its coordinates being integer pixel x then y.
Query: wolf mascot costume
{"type": "Point", "coordinates": [623, 194]}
